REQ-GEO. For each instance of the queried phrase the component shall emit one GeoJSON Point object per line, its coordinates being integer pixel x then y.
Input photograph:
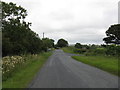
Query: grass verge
{"type": "Point", "coordinates": [109, 64]}
{"type": "Point", "coordinates": [24, 75]}
{"type": "Point", "coordinates": [69, 49]}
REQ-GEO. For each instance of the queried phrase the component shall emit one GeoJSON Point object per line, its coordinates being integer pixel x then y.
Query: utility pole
{"type": "Point", "coordinates": [43, 34]}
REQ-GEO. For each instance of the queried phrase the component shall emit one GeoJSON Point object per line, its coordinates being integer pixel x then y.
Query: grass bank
{"type": "Point", "coordinates": [69, 49]}
{"type": "Point", "coordinates": [109, 64]}
{"type": "Point", "coordinates": [22, 77]}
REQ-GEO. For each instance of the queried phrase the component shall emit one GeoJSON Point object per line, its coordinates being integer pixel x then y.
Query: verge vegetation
{"type": "Point", "coordinates": [105, 57]}
{"type": "Point", "coordinates": [109, 64]}
{"type": "Point", "coordinates": [69, 49]}
{"type": "Point", "coordinates": [23, 73]}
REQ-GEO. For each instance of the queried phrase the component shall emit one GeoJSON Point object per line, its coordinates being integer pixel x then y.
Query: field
{"type": "Point", "coordinates": [109, 64]}
{"type": "Point", "coordinates": [23, 74]}
{"type": "Point", "coordinates": [101, 61]}
{"type": "Point", "coordinates": [69, 49]}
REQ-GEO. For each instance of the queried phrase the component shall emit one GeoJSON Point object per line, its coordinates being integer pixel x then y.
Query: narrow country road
{"type": "Point", "coordinates": [61, 71]}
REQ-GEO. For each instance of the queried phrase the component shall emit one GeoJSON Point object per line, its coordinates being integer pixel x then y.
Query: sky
{"type": "Point", "coordinates": [77, 21]}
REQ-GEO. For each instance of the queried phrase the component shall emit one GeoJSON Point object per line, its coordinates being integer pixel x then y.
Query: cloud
{"type": "Point", "coordinates": [83, 21]}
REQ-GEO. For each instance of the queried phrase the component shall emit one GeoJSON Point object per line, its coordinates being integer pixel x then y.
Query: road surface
{"type": "Point", "coordinates": [61, 71]}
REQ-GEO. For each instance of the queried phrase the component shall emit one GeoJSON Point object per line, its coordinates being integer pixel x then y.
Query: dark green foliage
{"type": "Point", "coordinates": [106, 50]}
{"type": "Point", "coordinates": [78, 45]}
{"type": "Point", "coordinates": [113, 50]}
{"type": "Point", "coordinates": [113, 34]}
{"type": "Point", "coordinates": [85, 46]}
{"type": "Point", "coordinates": [81, 49]}
{"type": "Point", "coordinates": [56, 47]}
{"type": "Point", "coordinates": [17, 37]}
{"type": "Point", "coordinates": [62, 43]}
{"type": "Point", "coordinates": [100, 51]}
{"type": "Point", "coordinates": [118, 51]}
{"type": "Point", "coordinates": [47, 43]}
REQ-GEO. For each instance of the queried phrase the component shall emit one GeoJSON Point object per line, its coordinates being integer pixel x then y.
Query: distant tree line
{"type": "Point", "coordinates": [112, 46]}
{"type": "Point", "coordinates": [17, 37]}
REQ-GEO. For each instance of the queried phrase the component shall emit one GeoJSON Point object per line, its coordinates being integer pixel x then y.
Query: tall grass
{"type": "Point", "coordinates": [22, 75]}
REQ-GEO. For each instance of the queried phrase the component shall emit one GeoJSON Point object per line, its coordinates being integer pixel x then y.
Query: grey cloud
{"type": "Point", "coordinates": [82, 21]}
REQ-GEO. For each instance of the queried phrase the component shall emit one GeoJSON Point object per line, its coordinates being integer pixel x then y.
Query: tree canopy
{"type": "Point", "coordinates": [113, 35]}
{"type": "Point", "coordinates": [78, 45]}
{"type": "Point", "coordinates": [62, 43]}
{"type": "Point", "coordinates": [47, 43]}
{"type": "Point", "coordinates": [17, 37]}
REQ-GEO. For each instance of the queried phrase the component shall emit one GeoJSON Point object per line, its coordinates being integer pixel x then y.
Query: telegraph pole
{"type": "Point", "coordinates": [43, 34]}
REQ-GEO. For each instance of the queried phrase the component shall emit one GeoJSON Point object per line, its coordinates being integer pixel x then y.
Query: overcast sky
{"type": "Point", "coordinates": [83, 21]}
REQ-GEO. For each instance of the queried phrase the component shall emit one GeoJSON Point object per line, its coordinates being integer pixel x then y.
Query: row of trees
{"type": "Point", "coordinates": [109, 50]}
{"type": "Point", "coordinates": [17, 37]}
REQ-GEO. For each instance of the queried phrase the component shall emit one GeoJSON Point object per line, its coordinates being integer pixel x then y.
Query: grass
{"type": "Point", "coordinates": [24, 75]}
{"type": "Point", "coordinates": [109, 64]}
{"type": "Point", "coordinates": [106, 63]}
{"type": "Point", "coordinates": [69, 49]}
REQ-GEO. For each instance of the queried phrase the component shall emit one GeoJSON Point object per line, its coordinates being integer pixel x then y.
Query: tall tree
{"type": "Point", "coordinates": [78, 45]}
{"type": "Point", "coordinates": [17, 36]}
{"type": "Point", "coordinates": [62, 43]}
{"type": "Point", "coordinates": [113, 34]}
{"type": "Point", "coordinates": [47, 43]}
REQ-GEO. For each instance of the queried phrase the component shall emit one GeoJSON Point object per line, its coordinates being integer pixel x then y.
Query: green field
{"type": "Point", "coordinates": [22, 77]}
{"type": "Point", "coordinates": [109, 64]}
{"type": "Point", "coordinates": [69, 49]}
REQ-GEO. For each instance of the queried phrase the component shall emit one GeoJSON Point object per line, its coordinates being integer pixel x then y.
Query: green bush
{"type": "Point", "coordinates": [118, 50]}
{"type": "Point", "coordinates": [109, 50]}
{"type": "Point", "coordinates": [113, 50]}
{"type": "Point", "coordinates": [100, 51]}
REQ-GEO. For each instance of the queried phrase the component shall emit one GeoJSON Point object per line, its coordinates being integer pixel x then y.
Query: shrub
{"type": "Point", "coordinates": [9, 65]}
{"type": "Point", "coordinates": [100, 51]}
{"type": "Point", "coordinates": [112, 50]}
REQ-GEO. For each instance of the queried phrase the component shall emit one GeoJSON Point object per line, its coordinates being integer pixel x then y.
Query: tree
{"type": "Point", "coordinates": [113, 35]}
{"type": "Point", "coordinates": [47, 43]}
{"type": "Point", "coordinates": [17, 36]}
{"type": "Point", "coordinates": [62, 43]}
{"type": "Point", "coordinates": [78, 45]}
